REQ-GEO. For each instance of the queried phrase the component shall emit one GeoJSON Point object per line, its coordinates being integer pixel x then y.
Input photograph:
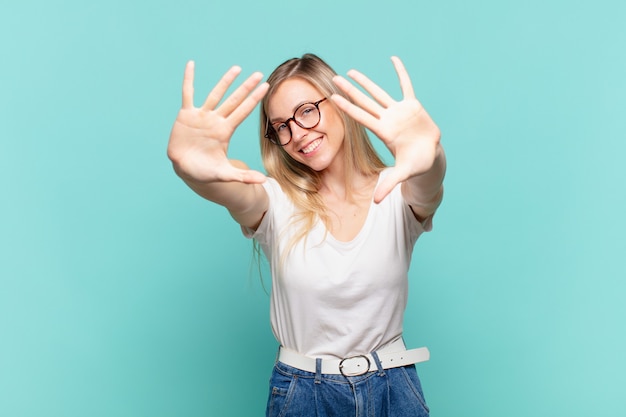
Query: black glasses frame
{"type": "Point", "coordinates": [272, 135]}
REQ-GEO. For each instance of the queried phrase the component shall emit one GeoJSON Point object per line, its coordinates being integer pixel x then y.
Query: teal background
{"type": "Point", "coordinates": [122, 293]}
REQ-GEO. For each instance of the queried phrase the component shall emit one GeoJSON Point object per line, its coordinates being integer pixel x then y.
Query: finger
{"type": "Point", "coordinates": [375, 91]}
{"type": "Point", "coordinates": [405, 81]}
{"type": "Point", "coordinates": [244, 109]}
{"type": "Point", "coordinates": [357, 113]}
{"type": "Point", "coordinates": [360, 98]}
{"type": "Point", "coordinates": [188, 85]}
{"type": "Point", "coordinates": [251, 176]}
{"type": "Point", "coordinates": [215, 96]}
{"type": "Point", "coordinates": [239, 95]}
{"type": "Point", "coordinates": [230, 173]}
{"type": "Point", "coordinates": [385, 187]}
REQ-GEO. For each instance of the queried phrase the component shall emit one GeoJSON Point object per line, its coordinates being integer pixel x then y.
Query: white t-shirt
{"type": "Point", "coordinates": [333, 299]}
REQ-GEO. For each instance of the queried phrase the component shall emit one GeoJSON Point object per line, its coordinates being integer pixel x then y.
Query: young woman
{"type": "Point", "coordinates": [337, 226]}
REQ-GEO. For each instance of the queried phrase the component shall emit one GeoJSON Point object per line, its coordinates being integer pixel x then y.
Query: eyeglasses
{"type": "Point", "coordinates": [307, 116]}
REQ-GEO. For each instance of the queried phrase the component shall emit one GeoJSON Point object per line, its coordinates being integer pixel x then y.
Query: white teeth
{"type": "Point", "coordinates": [311, 147]}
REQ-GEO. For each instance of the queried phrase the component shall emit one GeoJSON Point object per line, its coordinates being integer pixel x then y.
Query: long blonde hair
{"type": "Point", "coordinates": [298, 181]}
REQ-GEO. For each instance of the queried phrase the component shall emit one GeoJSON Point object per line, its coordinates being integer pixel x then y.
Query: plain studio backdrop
{"type": "Point", "coordinates": [123, 294]}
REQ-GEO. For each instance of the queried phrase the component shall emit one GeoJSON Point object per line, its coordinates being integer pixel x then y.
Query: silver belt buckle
{"type": "Point", "coordinates": [361, 371]}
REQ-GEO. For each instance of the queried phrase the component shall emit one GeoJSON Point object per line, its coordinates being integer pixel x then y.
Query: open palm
{"type": "Point", "coordinates": [404, 126]}
{"type": "Point", "coordinates": [200, 136]}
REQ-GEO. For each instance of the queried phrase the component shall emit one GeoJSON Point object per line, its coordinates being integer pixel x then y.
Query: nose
{"type": "Point", "coordinates": [297, 132]}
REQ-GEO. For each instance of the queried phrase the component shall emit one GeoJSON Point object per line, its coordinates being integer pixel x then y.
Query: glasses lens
{"type": "Point", "coordinates": [307, 115]}
{"type": "Point", "coordinates": [283, 133]}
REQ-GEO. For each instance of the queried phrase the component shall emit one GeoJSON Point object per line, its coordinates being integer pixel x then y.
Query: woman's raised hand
{"type": "Point", "coordinates": [404, 126]}
{"type": "Point", "coordinates": [200, 136]}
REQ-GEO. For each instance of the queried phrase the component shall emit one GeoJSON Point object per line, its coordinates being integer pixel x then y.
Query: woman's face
{"type": "Point", "coordinates": [319, 146]}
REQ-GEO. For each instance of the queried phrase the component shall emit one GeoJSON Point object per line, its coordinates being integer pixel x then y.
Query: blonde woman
{"type": "Point", "coordinates": [337, 226]}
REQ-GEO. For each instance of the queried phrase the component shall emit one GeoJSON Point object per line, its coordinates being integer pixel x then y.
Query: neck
{"type": "Point", "coordinates": [336, 187]}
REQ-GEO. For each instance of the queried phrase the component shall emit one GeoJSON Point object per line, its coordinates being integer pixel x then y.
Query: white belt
{"type": "Point", "coordinates": [393, 355]}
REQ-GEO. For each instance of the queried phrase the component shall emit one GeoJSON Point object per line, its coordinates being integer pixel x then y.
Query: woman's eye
{"type": "Point", "coordinates": [307, 110]}
{"type": "Point", "coordinates": [280, 127]}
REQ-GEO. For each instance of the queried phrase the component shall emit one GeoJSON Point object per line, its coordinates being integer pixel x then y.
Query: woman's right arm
{"type": "Point", "coordinates": [199, 141]}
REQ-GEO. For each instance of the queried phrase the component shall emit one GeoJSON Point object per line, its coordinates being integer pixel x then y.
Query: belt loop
{"type": "Point", "coordinates": [318, 371]}
{"type": "Point", "coordinates": [381, 371]}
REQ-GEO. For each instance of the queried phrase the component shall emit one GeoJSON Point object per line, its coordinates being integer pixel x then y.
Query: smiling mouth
{"type": "Point", "coordinates": [311, 146]}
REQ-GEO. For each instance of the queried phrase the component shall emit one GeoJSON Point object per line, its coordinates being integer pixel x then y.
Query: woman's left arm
{"type": "Point", "coordinates": [424, 192]}
{"type": "Point", "coordinates": [408, 132]}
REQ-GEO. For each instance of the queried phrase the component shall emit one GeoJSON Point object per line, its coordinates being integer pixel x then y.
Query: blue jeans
{"type": "Point", "coordinates": [394, 392]}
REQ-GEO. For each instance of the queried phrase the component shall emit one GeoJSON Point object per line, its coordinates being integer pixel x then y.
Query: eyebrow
{"type": "Point", "coordinates": [276, 120]}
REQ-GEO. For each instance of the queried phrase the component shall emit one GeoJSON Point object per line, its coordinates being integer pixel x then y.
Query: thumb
{"type": "Point", "coordinates": [250, 176]}
{"type": "Point", "coordinates": [245, 174]}
{"type": "Point", "coordinates": [386, 185]}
